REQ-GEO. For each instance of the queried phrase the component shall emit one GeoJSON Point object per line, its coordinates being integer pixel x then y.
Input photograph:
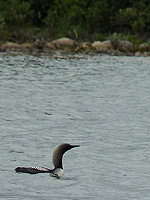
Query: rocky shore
{"type": "Point", "coordinates": [69, 46]}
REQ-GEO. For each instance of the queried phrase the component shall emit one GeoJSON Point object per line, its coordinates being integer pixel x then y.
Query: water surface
{"type": "Point", "coordinates": [99, 102]}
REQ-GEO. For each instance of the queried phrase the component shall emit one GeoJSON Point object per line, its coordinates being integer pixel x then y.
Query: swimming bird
{"type": "Point", "coordinates": [57, 172]}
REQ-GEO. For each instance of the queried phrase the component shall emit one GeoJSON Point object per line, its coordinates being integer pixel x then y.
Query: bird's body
{"type": "Point", "coordinates": [33, 170]}
{"type": "Point", "coordinates": [57, 162]}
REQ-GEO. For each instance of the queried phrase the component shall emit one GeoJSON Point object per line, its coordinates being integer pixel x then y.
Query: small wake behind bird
{"type": "Point", "coordinates": [57, 162]}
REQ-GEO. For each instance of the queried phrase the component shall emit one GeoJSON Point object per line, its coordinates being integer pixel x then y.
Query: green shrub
{"type": "Point", "coordinates": [15, 12]}
{"type": "Point", "coordinates": [98, 37]}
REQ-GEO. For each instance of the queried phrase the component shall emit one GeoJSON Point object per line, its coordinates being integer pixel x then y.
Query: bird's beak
{"type": "Point", "coordinates": [73, 146]}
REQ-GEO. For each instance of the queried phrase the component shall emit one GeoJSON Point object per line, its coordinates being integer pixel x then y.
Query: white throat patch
{"type": "Point", "coordinates": [58, 173]}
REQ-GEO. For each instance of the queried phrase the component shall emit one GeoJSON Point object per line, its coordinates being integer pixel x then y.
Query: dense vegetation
{"type": "Point", "coordinates": [25, 20]}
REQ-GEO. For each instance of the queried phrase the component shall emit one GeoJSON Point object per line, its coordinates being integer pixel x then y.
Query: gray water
{"type": "Point", "coordinates": [99, 102]}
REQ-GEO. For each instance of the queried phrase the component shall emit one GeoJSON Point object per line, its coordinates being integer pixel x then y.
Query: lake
{"type": "Point", "coordinates": [99, 102]}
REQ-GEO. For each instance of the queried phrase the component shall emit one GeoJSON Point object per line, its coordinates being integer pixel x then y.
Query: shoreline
{"type": "Point", "coordinates": [66, 46]}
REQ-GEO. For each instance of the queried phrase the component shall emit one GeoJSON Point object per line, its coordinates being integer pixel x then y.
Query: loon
{"type": "Point", "coordinates": [57, 172]}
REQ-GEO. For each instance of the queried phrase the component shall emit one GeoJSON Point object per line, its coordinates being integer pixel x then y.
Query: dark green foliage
{"type": "Point", "coordinates": [14, 12]}
{"type": "Point", "coordinates": [81, 20]}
